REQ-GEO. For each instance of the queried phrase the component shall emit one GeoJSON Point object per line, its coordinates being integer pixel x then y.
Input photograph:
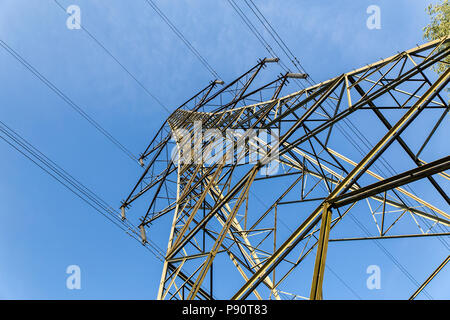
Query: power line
{"type": "Point", "coordinates": [252, 27]}
{"type": "Point", "coordinates": [273, 33]}
{"type": "Point", "coordinates": [389, 255]}
{"type": "Point", "coordinates": [261, 39]}
{"type": "Point", "coordinates": [180, 35]}
{"type": "Point", "coordinates": [21, 145]}
{"type": "Point", "coordinates": [66, 99]}
{"type": "Point", "coordinates": [117, 61]}
{"type": "Point", "coordinates": [343, 282]}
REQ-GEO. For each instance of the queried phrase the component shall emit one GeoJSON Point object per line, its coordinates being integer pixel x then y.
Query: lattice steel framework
{"type": "Point", "coordinates": [230, 214]}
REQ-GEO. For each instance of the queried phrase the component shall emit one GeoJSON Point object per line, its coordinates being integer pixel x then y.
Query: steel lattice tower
{"type": "Point", "coordinates": [229, 214]}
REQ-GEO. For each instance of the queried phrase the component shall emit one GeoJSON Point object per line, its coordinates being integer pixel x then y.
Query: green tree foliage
{"type": "Point", "coordinates": [439, 27]}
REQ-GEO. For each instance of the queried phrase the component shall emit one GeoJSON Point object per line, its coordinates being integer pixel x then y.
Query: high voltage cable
{"type": "Point", "coordinates": [389, 255]}
{"type": "Point", "coordinates": [252, 27]}
{"type": "Point", "coordinates": [117, 61]}
{"type": "Point", "coordinates": [180, 35]}
{"type": "Point", "coordinates": [68, 181]}
{"type": "Point", "coordinates": [273, 33]}
{"type": "Point", "coordinates": [343, 282]}
{"type": "Point", "coordinates": [66, 99]}
{"type": "Point", "coordinates": [261, 39]}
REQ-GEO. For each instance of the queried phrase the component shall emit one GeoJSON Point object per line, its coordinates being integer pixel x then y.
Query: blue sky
{"type": "Point", "coordinates": [45, 228]}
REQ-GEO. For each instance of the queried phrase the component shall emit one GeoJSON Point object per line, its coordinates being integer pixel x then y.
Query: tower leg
{"type": "Point", "coordinates": [319, 267]}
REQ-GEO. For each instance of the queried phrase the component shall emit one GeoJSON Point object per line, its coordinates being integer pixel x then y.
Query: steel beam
{"type": "Point", "coordinates": [435, 272]}
{"type": "Point", "coordinates": [322, 247]}
{"type": "Point", "coordinates": [393, 182]}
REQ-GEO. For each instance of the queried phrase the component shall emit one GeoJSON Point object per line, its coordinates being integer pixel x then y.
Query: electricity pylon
{"type": "Point", "coordinates": [230, 216]}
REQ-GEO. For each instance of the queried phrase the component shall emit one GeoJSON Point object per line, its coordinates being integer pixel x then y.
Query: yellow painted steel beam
{"type": "Point", "coordinates": [322, 247]}
{"type": "Point", "coordinates": [221, 237]}
{"type": "Point", "coordinates": [401, 190]}
{"type": "Point", "coordinates": [435, 272]}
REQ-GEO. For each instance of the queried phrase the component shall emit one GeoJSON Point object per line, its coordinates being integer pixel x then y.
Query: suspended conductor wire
{"type": "Point", "coordinates": [68, 181]}
{"type": "Point", "coordinates": [389, 255]}
{"type": "Point", "coordinates": [117, 61]}
{"type": "Point", "coordinates": [261, 39]}
{"type": "Point", "coordinates": [66, 99]}
{"type": "Point", "coordinates": [180, 35]}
